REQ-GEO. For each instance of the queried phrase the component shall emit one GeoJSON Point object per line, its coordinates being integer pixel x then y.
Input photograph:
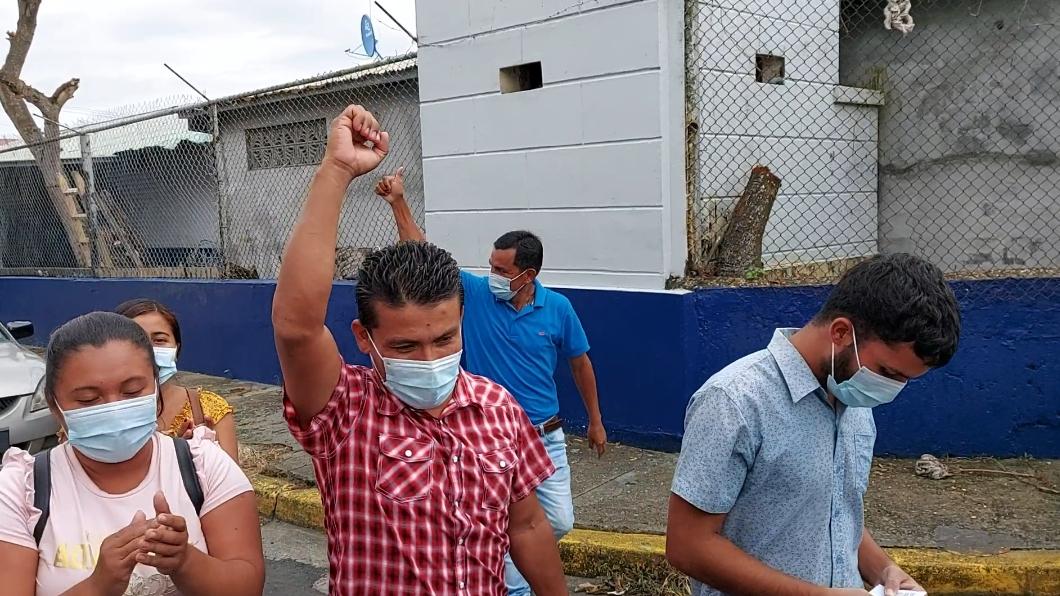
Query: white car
{"type": "Point", "coordinates": [25, 420]}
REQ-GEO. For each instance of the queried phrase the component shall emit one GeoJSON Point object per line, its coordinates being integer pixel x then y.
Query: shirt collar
{"type": "Point", "coordinates": [797, 374]}
{"type": "Point", "coordinates": [539, 294]}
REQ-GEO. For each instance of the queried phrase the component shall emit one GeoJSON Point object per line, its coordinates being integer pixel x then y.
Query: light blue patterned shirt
{"type": "Point", "coordinates": [763, 446]}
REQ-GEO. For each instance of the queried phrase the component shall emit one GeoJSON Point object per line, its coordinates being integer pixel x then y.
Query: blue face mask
{"type": "Point", "coordinates": [115, 432]}
{"type": "Point", "coordinates": [166, 359]}
{"type": "Point", "coordinates": [866, 389]}
{"type": "Point", "coordinates": [420, 384]}
{"type": "Point", "coordinates": [502, 286]}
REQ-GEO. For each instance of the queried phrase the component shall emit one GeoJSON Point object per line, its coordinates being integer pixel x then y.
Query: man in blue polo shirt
{"type": "Point", "coordinates": [514, 331]}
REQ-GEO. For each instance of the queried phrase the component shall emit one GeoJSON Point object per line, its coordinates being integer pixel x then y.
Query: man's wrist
{"type": "Point", "coordinates": [882, 575]}
{"type": "Point", "coordinates": [334, 173]}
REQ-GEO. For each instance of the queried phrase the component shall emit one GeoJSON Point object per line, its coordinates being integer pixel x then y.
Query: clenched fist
{"type": "Point", "coordinates": [355, 143]}
{"type": "Point", "coordinates": [392, 187]}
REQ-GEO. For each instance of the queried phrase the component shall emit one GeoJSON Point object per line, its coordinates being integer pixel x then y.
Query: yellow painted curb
{"type": "Point", "coordinates": [301, 507]}
{"type": "Point", "coordinates": [268, 491]}
{"type": "Point", "coordinates": [1014, 572]}
{"type": "Point", "coordinates": [593, 553]}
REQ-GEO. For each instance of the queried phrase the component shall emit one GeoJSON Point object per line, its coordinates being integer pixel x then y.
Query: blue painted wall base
{"type": "Point", "coordinates": [999, 396]}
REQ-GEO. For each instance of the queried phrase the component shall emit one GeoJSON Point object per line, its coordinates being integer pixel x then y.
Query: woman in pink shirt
{"type": "Point", "coordinates": [121, 516]}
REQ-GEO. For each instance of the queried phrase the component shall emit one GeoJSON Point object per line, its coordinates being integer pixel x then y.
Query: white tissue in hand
{"type": "Point", "coordinates": [878, 591]}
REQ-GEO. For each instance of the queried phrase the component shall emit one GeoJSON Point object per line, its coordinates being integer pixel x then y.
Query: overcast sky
{"type": "Point", "coordinates": [117, 47]}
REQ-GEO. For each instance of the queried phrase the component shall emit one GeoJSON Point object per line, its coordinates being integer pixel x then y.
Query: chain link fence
{"type": "Point", "coordinates": [941, 141]}
{"type": "Point", "coordinates": [204, 190]}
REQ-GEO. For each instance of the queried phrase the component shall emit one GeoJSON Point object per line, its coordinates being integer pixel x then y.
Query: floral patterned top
{"type": "Point", "coordinates": [213, 406]}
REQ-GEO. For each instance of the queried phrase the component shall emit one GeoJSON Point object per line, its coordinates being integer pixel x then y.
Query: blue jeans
{"type": "Point", "coordinates": [555, 497]}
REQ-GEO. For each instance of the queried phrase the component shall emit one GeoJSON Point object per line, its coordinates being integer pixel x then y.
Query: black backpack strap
{"type": "Point", "coordinates": [42, 490]}
{"type": "Point", "coordinates": [187, 473]}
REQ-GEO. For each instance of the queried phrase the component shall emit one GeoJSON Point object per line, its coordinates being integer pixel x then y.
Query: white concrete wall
{"type": "Point", "coordinates": [823, 151]}
{"type": "Point", "coordinates": [592, 161]}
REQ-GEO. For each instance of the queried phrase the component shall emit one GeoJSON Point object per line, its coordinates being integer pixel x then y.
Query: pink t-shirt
{"type": "Point", "coordinates": [82, 515]}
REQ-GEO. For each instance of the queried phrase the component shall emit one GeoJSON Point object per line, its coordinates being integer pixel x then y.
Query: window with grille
{"type": "Point", "coordinates": [286, 145]}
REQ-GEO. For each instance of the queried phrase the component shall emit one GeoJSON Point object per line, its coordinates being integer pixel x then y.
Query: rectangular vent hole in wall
{"type": "Point", "coordinates": [521, 77]}
{"type": "Point", "coordinates": [769, 69]}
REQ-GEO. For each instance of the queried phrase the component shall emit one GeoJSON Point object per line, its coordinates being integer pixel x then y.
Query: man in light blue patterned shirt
{"type": "Point", "coordinates": [768, 493]}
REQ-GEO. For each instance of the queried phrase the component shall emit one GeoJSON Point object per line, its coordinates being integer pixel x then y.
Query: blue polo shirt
{"type": "Point", "coordinates": [518, 349]}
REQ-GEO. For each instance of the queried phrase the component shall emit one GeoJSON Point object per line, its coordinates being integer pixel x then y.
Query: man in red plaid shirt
{"type": "Point", "coordinates": [427, 473]}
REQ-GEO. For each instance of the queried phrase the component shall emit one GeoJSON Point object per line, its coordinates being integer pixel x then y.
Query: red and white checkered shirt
{"type": "Point", "coordinates": [415, 504]}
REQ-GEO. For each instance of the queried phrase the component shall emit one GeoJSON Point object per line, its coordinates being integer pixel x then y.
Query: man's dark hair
{"type": "Point", "coordinates": [142, 306]}
{"type": "Point", "coordinates": [92, 330]}
{"type": "Point", "coordinates": [899, 298]}
{"type": "Point", "coordinates": [406, 273]}
{"type": "Point", "coordinates": [529, 253]}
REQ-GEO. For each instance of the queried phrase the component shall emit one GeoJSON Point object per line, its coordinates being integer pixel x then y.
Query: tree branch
{"type": "Point", "coordinates": [48, 106]}
{"type": "Point", "coordinates": [24, 91]}
{"type": "Point", "coordinates": [21, 38]}
{"type": "Point", "coordinates": [64, 93]}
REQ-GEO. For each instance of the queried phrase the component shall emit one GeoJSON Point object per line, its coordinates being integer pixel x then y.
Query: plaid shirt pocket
{"type": "Point", "coordinates": [404, 472]}
{"type": "Point", "coordinates": [497, 470]}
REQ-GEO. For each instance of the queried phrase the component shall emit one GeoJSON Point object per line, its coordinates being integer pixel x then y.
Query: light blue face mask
{"type": "Point", "coordinates": [502, 286]}
{"type": "Point", "coordinates": [420, 384]}
{"type": "Point", "coordinates": [166, 359]}
{"type": "Point", "coordinates": [115, 432]}
{"type": "Point", "coordinates": [866, 389]}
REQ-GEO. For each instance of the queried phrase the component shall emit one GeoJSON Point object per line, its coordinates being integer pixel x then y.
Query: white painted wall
{"type": "Point", "coordinates": [592, 161]}
{"type": "Point", "coordinates": [823, 150]}
{"type": "Point", "coordinates": [262, 205]}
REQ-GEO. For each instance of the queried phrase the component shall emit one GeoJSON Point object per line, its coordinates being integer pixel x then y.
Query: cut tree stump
{"type": "Point", "coordinates": [740, 247]}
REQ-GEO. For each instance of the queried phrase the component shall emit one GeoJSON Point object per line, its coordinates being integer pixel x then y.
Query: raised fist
{"type": "Point", "coordinates": [355, 143]}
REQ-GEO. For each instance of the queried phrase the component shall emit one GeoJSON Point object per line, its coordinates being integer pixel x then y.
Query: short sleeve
{"type": "Point", "coordinates": [17, 514]}
{"type": "Point", "coordinates": [221, 478]}
{"type": "Point", "coordinates": [716, 452]}
{"type": "Point", "coordinates": [535, 466]}
{"type": "Point", "coordinates": [214, 406]}
{"type": "Point", "coordinates": [574, 342]}
{"type": "Point", "coordinates": [328, 430]}
{"type": "Point", "coordinates": [474, 285]}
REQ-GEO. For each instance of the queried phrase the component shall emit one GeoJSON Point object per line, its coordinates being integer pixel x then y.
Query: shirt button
{"type": "Point", "coordinates": [503, 464]}
{"type": "Point", "coordinates": [460, 585]}
{"type": "Point", "coordinates": [408, 453]}
{"type": "Point", "coordinates": [456, 459]}
{"type": "Point", "coordinates": [460, 542]}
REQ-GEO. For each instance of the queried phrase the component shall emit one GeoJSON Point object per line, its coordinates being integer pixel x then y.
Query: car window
{"type": "Point", "coordinates": [4, 335]}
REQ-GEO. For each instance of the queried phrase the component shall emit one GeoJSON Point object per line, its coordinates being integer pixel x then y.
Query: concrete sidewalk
{"type": "Point", "coordinates": [977, 532]}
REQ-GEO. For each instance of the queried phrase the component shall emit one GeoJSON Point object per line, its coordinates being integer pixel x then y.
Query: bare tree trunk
{"type": "Point", "coordinates": [48, 160]}
{"type": "Point", "coordinates": [740, 249]}
{"type": "Point", "coordinates": [44, 145]}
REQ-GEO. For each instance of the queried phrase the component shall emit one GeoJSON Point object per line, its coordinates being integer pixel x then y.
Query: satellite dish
{"type": "Point", "coordinates": [367, 35]}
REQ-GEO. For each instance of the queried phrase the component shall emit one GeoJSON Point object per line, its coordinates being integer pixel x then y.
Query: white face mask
{"type": "Point", "coordinates": [502, 286]}
{"type": "Point", "coordinates": [420, 384]}
{"type": "Point", "coordinates": [114, 432]}
{"type": "Point", "coordinates": [166, 359]}
{"type": "Point", "coordinates": [867, 388]}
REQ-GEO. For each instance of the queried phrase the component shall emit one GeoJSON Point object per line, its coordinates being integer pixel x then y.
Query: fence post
{"type": "Point", "coordinates": [90, 201]}
{"type": "Point", "coordinates": [222, 216]}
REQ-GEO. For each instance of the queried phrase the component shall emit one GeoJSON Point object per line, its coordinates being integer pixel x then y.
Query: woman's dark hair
{"type": "Point", "coordinates": [92, 330]}
{"type": "Point", "coordinates": [143, 306]}
{"type": "Point", "coordinates": [899, 298]}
